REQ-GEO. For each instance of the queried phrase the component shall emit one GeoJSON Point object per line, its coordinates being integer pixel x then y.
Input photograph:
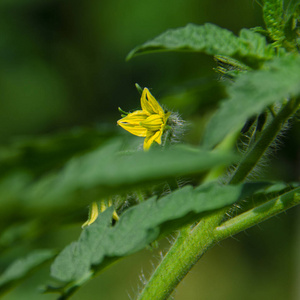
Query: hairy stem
{"type": "Point", "coordinates": [258, 214]}
{"type": "Point", "coordinates": [192, 244]}
{"type": "Point", "coordinates": [252, 157]}
{"type": "Point", "coordinates": [184, 253]}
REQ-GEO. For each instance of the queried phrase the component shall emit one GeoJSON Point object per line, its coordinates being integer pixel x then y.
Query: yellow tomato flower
{"type": "Point", "coordinates": [150, 122]}
{"type": "Point", "coordinates": [93, 215]}
{"type": "Point", "coordinates": [94, 212]}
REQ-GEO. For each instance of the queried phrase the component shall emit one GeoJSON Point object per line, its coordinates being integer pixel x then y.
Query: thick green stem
{"type": "Point", "coordinates": [184, 253]}
{"type": "Point", "coordinates": [189, 248]}
{"type": "Point", "coordinates": [191, 245]}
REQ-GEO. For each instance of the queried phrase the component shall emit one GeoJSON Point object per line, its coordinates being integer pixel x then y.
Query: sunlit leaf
{"type": "Point", "coordinates": [250, 47]}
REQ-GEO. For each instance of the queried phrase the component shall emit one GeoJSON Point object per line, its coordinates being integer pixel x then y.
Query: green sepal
{"type": "Point", "coordinates": [124, 113]}
{"type": "Point", "coordinates": [139, 89]}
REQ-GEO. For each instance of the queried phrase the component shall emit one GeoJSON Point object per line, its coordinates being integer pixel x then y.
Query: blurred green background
{"type": "Point", "coordinates": [63, 66]}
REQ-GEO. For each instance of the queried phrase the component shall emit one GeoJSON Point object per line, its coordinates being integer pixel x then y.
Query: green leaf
{"type": "Point", "coordinates": [290, 8]}
{"type": "Point", "coordinates": [21, 268]}
{"type": "Point", "coordinates": [251, 94]}
{"type": "Point", "coordinates": [273, 17]}
{"type": "Point", "coordinates": [106, 171]}
{"type": "Point", "coordinates": [249, 48]}
{"type": "Point", "coordinates": [141, 225]}
{"type": "Point", "coordinates": [291, 19]}
{"type": "Point", "coordinates": [75, 261]}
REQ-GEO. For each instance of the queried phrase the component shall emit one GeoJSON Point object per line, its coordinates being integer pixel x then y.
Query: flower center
{"type": "Point", "coordinates": [153, 122]}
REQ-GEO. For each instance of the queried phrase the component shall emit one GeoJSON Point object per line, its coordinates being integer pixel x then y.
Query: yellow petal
{"type": "Point", "coordinates": [153, 122]}
{"type": "Point", "coordinates": [93, 215]}
{"type": "Point", "coordinates": [150, 138]}
{"type": "Point", "coordinates": [132, 121]}
{"type": "Point", "coordinates": [149, 104]}
{"type": "Point", "coordinates": [134, 118]}
{"type": "Point", "coordinates": [135, 129]}
{"type": "Point", "coordinates": [103, 205]}
{"type": "Point", "coordinates": [158, 137]}
{"type": "Point", "coordinates": [115, 216]}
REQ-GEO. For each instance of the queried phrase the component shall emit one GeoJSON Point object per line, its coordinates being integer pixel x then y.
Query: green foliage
{"type": "Point", "coordinates": [103, 172]}
{"type": "Point", "coordinates": [251, 93]}
{"type": "Point", "coordinates": [202, 193]}
{"type": "Point", "coordinates": [20, 268]}
{"type": "Point", "coordinates": [250, 47]}
{"type": "Point", "coordinates": [291, 8]}
{"type": "Point", "coordinates": [273, 13]}
{"type": "Point", "coordinates": [101, 240]}
{"type": "Point", "coordinates": [281, 21]}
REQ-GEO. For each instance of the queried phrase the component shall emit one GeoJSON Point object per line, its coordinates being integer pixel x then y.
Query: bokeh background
{"type": "Point", "coordinates": [62, 65]}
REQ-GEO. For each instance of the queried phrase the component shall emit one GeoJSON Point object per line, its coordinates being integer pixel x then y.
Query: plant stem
{"type": "Point", "coordinates": [226, 145]}
{"type": "Point", "coordinates": [252, 157]}
{"type": "Point", "coordinates": [258, 214]}
{"type": "Point", "coordinates": [184, 253]}
{"type": "Point", "coordinates": [188, 249]}
{"type": "Point", "coordinates": [191, 245]}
